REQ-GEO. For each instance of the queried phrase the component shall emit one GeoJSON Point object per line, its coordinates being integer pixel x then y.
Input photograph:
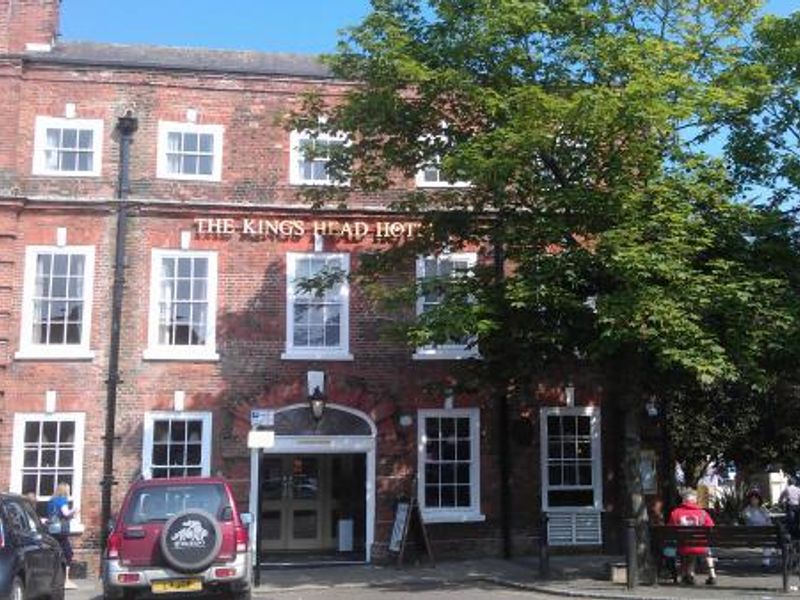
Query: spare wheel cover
{"type": "Point", "coordinates": [190, 541]}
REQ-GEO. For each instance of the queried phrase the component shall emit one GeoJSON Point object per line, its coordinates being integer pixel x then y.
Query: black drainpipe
{"type": "Point", "coordinates": [126, 127]}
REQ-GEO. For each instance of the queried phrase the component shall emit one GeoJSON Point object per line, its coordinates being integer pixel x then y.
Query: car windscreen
{"type": "Point", "coordinates": [162, 502]}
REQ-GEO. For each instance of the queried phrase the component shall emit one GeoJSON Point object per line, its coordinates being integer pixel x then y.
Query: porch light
{"type": "Point", "coordinates": [316, 401]}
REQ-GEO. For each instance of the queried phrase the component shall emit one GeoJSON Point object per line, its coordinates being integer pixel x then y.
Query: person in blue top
{"type": "Point", "coordinates": [59, 511]}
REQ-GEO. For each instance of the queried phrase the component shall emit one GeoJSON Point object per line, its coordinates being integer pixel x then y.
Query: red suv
{"type": "Point", "coordinates": [177, 535]}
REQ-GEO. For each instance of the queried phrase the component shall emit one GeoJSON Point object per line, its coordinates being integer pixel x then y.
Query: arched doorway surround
{"type": "Point", "coordinates": [342, 430]}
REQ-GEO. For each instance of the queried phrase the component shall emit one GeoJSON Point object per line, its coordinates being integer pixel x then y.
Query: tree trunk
{"type": "Point", "coordinates": [635, 505]}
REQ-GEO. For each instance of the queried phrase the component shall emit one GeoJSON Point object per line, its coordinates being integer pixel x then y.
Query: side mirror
{"type": "Point", "coordinates": [247, 519]}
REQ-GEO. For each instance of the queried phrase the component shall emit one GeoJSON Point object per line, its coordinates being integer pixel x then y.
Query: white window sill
{"type": "Point", "coordinates": [452, 516]}
{"type": "Point", "coordinates": [344, 184]}
{"type": "Point", "coordinates": [178, 353]}
{"type": "Point", "coordinates": [182, 177]}
{"type": "Point", "coordinates": [445, 354]}
{"type": "Point", "coordinates": [54, 354]}
{"type": "Point", "coordinates": [316, 355]}
{"type": "Point", "coordinates": [458, 185]}
{"type": "Point", "coordinates": [38, 173]}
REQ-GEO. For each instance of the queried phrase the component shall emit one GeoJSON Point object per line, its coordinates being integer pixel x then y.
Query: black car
{"type": "Point", "coordinates": [31, 562]}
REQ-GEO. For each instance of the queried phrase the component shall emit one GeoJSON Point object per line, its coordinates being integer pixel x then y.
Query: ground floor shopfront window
{"type": "Point", "coordinates": [571, 470]}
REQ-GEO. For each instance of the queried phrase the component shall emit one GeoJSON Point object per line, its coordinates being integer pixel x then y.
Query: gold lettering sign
{"type": "Point", "coordinates": [257, 228]}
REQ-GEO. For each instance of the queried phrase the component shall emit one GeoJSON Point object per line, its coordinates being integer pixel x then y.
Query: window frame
{"type": "Point", "coordinates": [597, 458]}
{"type": "Point", "coordinates": [471, 513]}
{"type": "Point", "coordinates": [18, 450]}
{"type": "Point", "coordinates": [150, 418]}
{"type": "Point", "coordinates": [443, 351]}
{"type": "Point", "coordinates": [341, 352]}
{"type": "Point", "coordinates": [28, 350]}
{"type": "Point", "coordinates": [421, 182]}
{"type": "Point", "coordinates": [162, 163]}
{"type": "Point", "coordinates": [166, 352]}
{"type": "Point", "coordinates": [43, 123]}
{"type": "Point", "coordinates": [295, 154]}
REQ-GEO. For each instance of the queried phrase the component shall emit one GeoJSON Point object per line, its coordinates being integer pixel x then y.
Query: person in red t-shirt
{"type": "Point", "coordinates": [689, 514]}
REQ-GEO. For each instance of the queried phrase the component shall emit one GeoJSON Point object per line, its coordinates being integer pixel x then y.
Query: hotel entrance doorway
{"type": "Point", "coordinates": [313, 503]}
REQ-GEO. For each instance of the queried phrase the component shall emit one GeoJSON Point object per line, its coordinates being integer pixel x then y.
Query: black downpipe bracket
{"type": "Point", "coordinates": [126, 127]}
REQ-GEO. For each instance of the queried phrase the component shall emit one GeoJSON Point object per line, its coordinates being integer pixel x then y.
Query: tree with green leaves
{"type": "Point", "coordinates": [764, 142]}
{"type": "Point", "coordinates": [610, 244]}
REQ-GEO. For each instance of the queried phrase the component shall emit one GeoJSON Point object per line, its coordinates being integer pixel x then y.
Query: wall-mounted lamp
{"type": "Point", "coordinates": [569, 394]}
{"type": "Point", "coordinates": [651, 407]}
{"type": "Point", "coordinates": [316, 393]}
{"type": "Point", "coordinates": [316, 401]}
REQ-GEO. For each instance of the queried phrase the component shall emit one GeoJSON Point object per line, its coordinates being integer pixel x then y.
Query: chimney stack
{"type": "Point", "coordinates": [28, 25]}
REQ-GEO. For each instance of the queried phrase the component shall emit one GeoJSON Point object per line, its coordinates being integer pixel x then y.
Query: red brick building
{"type": "Point", "coordinates": [213, 327]}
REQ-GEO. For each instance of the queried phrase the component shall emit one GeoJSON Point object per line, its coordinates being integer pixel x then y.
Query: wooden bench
{"type": "Point", "coordinates": [727, 536]}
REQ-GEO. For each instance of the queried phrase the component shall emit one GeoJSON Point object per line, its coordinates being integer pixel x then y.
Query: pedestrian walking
{"type": "Point", "coordinates": [59, 516]}
{"type": "Point", "coordinates": [689, 514]}
{"type": "Point", "coordinates": [790, 501]}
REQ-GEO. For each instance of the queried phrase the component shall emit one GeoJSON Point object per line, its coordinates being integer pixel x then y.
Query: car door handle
{"type": "Point", "coordinates": [134, 534]}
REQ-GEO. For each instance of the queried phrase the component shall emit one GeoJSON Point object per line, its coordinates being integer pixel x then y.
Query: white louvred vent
{"type": "Point", "coordinates": [574, 529]}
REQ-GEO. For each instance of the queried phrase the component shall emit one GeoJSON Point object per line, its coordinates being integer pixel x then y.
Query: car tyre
{"type": "Point", "coordinates": [17, 589]}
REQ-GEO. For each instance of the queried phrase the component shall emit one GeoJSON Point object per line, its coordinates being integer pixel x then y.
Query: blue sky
{"type": "Point", "coordinates": [269, 25]}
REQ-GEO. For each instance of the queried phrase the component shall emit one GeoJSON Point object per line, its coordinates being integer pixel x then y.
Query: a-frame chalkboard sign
{"type": "Point", "coordinates": [408, 523]}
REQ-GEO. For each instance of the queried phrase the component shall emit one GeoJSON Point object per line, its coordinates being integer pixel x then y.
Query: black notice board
{"type": "Point", "coordinates": [408, 522]}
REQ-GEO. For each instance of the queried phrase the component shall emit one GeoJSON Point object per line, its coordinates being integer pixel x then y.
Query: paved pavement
{"type": "Point", "coordinates": [571, 576]}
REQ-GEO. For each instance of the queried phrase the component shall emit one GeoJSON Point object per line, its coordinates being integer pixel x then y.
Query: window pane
{"type": "Point", "coordinates": [69, 138]}
{"type": "Point", "coordinates": [189, 165]}
{"type": "Point", "coordinates": [85, 139]}
{"type": "Point", "coordinates": [49, 432]}
{"type": "Point", "coordinates": [183, 290]}
{"type": "Point", "coordinates": [190, 142]}
{"type": "Point", "coordinates": [206, 142]}
{"type": "Point", "coordinates": [66, 432]}
{"type": "Point", "coordinates": [200, 267]}
{"type": "Point", "coordinates": [85, 161]}
{"type": "Point", "coordinates": [53, 138]}
{"type": "Point", "coordinates": [69, 161]}
{"type": "Point", "coordinates": [30, 458]}
{"type": "Point", "coordinates": [73, 333]}
{"type": "Point", "coordinates": [173, 163]}
{"type": "Point", "coordinates": [60, 265]}
{"type": "Point", "coordinates": [448, 493]}
{"type": "Point", "coordinates": [174, 141]}
{"type": "Point", "coordinates": [205, 165]}
{"type": "Point", "coordinates": [432, 427]}
{"type": "Point", "coordinates": [31, 432]}
{"type": "Point", "coordinates": [184, 267]}
{"type": "Point", "coordinates": [59, 289]}
{"type": "Point", "coordinates": [178, 431]}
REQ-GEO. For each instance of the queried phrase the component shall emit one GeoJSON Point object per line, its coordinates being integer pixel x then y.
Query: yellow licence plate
{"type": "Point", "coordinates": [177, 585]}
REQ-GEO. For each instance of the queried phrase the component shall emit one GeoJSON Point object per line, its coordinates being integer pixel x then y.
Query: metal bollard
{"type": "Point", "coordinates": [632, 566]}
{"type": "Point", "coordinates": [544, 549]}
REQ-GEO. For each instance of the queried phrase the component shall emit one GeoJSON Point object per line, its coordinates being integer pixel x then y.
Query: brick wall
{"type": "Point", "coordinates": [27, 22]}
